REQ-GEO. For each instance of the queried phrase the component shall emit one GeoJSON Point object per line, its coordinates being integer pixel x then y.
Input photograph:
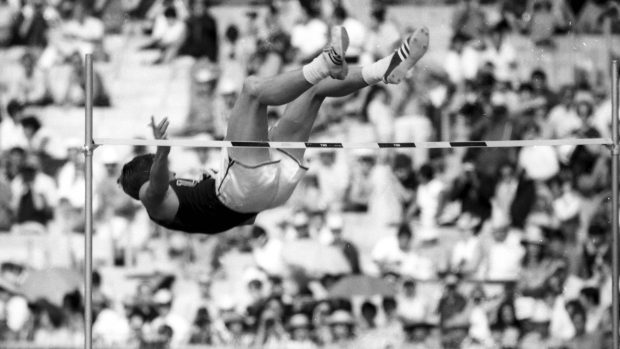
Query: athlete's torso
{"type": "Point", "coordinates": [200, 211]}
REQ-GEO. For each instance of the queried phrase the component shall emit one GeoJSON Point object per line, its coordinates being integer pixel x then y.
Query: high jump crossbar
{"type": "Point", "coordinates": [90, 144]}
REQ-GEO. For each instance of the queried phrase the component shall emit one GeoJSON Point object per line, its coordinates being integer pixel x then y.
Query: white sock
{"type": "Point", "coordinates": [316, 70]}
{"type": "Point", "coordinates": [373, 74]}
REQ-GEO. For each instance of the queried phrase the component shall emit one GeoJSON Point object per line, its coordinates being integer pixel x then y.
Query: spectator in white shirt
{"type": "Point", "coordinates": [30, 87]}
{"type": "Point", "coordinates": [501, 53]}
{"type": "Point", "coordinates": [11, 132]}
{"type": "Point", "coordinates": [356, 31]}
{"type": "Point", "coordinates": [412, 306]}
{"type": "Point", "coordinates": [463, 61]}
{"type": "Point", "coordinates": [309, 35]}
{"type": "Point", "coordinates": [168, 35]}
{"type": "Point", "coordinates": [504, 253]}
{"type": "Point", "coordinates": [267, 252]}
{"type": "Point", "coordinates": [34, 193]}
{"type": "Point", "coordinates": [563, 120]}
{"type": "Point", "coordinates": [391, 251]}
{"type": "Point", "coordinates": [430, 200]}
{"type": "Point", "coordinates": [383, 35]}
{"type": "Point", "coordinates": [539, 162]}
{"type": "Point", "coordinates": [180, 327]}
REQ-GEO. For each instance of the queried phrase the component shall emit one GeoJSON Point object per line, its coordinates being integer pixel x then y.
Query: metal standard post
{"type": "Point", "coordinates": [615, 152]}
{"type": "Point", "coordinates": [88, 210]}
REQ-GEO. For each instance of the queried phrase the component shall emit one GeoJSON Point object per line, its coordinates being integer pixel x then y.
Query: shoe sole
{"type": "Point", "coordinates": [418, 45]}
{"type": "Point", "coordinates": [340, 45]}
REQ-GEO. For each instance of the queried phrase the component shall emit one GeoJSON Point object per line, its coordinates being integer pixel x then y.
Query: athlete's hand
{"type": "Point", "coordinates": [159, 131]}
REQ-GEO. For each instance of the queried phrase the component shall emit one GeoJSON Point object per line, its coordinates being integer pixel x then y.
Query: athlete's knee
{"type": "Point", "coordinates": [251, 86]}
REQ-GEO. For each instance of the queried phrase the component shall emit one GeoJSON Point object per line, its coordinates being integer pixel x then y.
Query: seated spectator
{"type": "Point", "coordinates": [335, 225]}
{"type": "Point", "coordinates": [83, 32]}
{"type": "Point", "coordinates": [463, 60]}
{"type": "Point", "coordinates": [589, 297]}
{"type": "Point", "coordinates": [201, 332]}
{"type": "Point", "coordinates": [202, 116]}
{"type": "Point", "coordinates": [342, 327]}
{"type": "Point", "coordinates": [169, 33]}
{"type": "Point", "coordinates": [16, 157]}
{"type": "Point", "coordinates": [466, 255]}
{"type": "Point", "coordinates": [380, 114]}
{"type": "Point", "coordinates": [563, 119]}
{"type": "Point", "coordinates": [300, 331]}
{"type": "Point", "coordinates": [267, 252]}
{"type": "Point", "coordinates": [34, 193]}
{"type": "Point", "coordinates": [309, 35]}
{"type": "Point", "coordinates": [34, 22]}
{"type": "Point", "coordinates": [165, 317]}
{"type": "Point", "coordinates": [50, 325]}
{"type": "Point", "coordinates": [31, 87]}
{"type": "Point", "coordinates": [383, 35]}
{"type": "Point", "coordinates": [8, 15]}
{"type": "Point", "coordinates": [418, 334]}
{"type": "Point", "coordinates": [539, 163]}
{"type": "Point", "coordinates": [391, 251]}
{"type": "Point", "coordinates": [502, 261]}
{"type": "Point", "coordinates": [507, 327]}
{"type": "Point", "coordinates": [591, 20]}
{"type": "Point", "coordinates": [74, 92]}
{"type": "Point", "coordinates": [543, 23]}
{"type": "Point", "coordinates": [430, 200]}
{"type": "Point", "coordinates": [469, 20]}
{"type": "Point", "coordinates": [412, 305]}
{"type": "Point", "coordinates": [11, 132]}
{"type": "Point", "coordinates": [582, 339]}
{"type": "Point", "coordinates": [201, 39]}
{"type": "Point", "coordinates": [356, 31]}
{"type": "Point", "coordinates": [501, 53]}
{"type": "Point", "coordinates": [452, 303]}
{"type": "Point", "coordinates": [42, 143]}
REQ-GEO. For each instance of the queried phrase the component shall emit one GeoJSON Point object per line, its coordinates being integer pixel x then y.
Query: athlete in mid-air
{"type": "Point", "coordinates": [252, 180]}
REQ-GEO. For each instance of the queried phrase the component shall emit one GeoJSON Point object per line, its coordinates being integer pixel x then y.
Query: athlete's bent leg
{"type": "Point", "coordinates": [248, 119]}
{"type": "Point", "coordinates": [299, 116]}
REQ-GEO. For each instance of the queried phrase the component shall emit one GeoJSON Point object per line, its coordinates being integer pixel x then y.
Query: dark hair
{"type": "Point", "coordinates": [369, 307]}
{"type": "Point", "coordinates": [340, 12]}
{"type": "Point", "coordinates": [592, 294]}
{"type": "Point", "coordinates": [258, 232]}
{"type": "Point", "coordinates": [232, 33]}
{"type": "Point", "coordinates": [427, 171]}
{"type": "Point", "coordinates": [539, 73]}
{"type": "Point", "coordinates": [379, 14]}
{"type": "Point", "coordinates": [19, 150]}
{"type": "Point", "coordinates": [202, 317]}
{"type": "Point", "coordinates": [574, 307]}
{"type": "Point", "coordinates": [404, 231]}
{"type": "Point", "coordinates": [135, 173]}
{"type": "Point", "coordinates": [14, 107]}
{"type": "Point", "coordinates": [499, 319]}
{"type": "Point", "coordinates": [170, 12]}
{"type": "Point", "coordinates": [72, 301]}
{"type": "Point", "coordinates": [32, 122]}
{"type": "Point", "coordinates": [389, 304]}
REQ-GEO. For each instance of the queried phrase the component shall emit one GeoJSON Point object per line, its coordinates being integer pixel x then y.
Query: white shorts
{"type": "Point", "coordinates": [252, 189]}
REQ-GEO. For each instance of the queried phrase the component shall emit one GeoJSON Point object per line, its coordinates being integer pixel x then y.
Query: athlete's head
{"type": "Point", "coordinates": [135, 173]}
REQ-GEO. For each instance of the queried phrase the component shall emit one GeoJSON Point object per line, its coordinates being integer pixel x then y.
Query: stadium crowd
{"type": "Point", "coordinates": [460, 248]}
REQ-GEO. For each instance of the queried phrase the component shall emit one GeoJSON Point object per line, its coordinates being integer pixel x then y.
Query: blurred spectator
{"type": "Point", "coordinates": [563, 119]}
{"type": "Point", "coordinates": [335, 224]}
{"type": "Point", "coordinates": [70, 181]}
{"type": "Point", "coordinates": [309, 35]}
{"type": "Point", "coordinates": [466, 255]}
{"type": "Point", "coordinates": [201, 332]}
{"type": "Point", "coordinates": [452, 301]}
{"type": "Point", "coordinates": [469, 20]}
{"type": "Point", "coordinates": [165, 317]}
{"type": "Point", "coordinates": [356, 31]}
{"type": "Point", "coordinates": [342, 328]}
{"type": "Point", "coordinates": [202, 116]}
{"type": "Point", "coordinates": [543, 23]}
{"type": "Point", "coordinates": [412, 305]}
{"type": "Point", "coordinates": [34, 22]}
{"type": "Point", "coordinates": [383, 35]}
{"type": "Point", "coordinates": [430, 200]}
{"type": "Point", "coordinates": [462, 60]}
{"type": "Point", "coordinates": [391, 251]}
{"type": "Point", "coordinates": [83, 32]}
{"type": "Point", "coordinates": [380, 114]}
{"type": "Point", "coordinates": [501, 53]}
{"type": "Point", "coordinates": [43, 143]}
{"type": "Point", "coordinates": [581, 339]}
{"type": "Point", "coordinates": [201, 39]}
{"type": "Point", "coordinates": [72, 91]}
{"type": "Point", "coordinates": [16, 157]}
{"type": "Point", "coordinates": [34, 193]}
{"type": "Point", "coordinates": [169, 34]}
{"type": "Point", "coordinates": [502, 261]}
{"type": "Point", "coordinates": [50, 325]}
{"type": "Point", "coordinates": [539, 163]}
{"type": "Point", "coordinates": [11, 132]}
{"type": "Point", "coordinates": [591, 19]}
{"type": "Point", "coordinates": [267, 252]}
{"type": "Point", "coordinates": [31, 85]}
{"type": "Point", "coordinates": [8, 15]}
{"type": "Point", "coordinates": [300, 330]}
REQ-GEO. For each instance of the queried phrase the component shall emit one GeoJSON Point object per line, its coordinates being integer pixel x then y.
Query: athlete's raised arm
{"type": "Point", "coordinates": [160, 175]}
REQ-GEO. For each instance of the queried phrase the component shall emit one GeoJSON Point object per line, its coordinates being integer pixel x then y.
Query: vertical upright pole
{"type": "Point", "coordinates": [615, 152]}
{"type": "Point", "coordinates": [88, 210]}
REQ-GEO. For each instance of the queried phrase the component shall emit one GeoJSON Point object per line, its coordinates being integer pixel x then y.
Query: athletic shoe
{"type": "Point", "coordinates": [407, 55]}
{"type": "Point", "coordinates": [335, 53]}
